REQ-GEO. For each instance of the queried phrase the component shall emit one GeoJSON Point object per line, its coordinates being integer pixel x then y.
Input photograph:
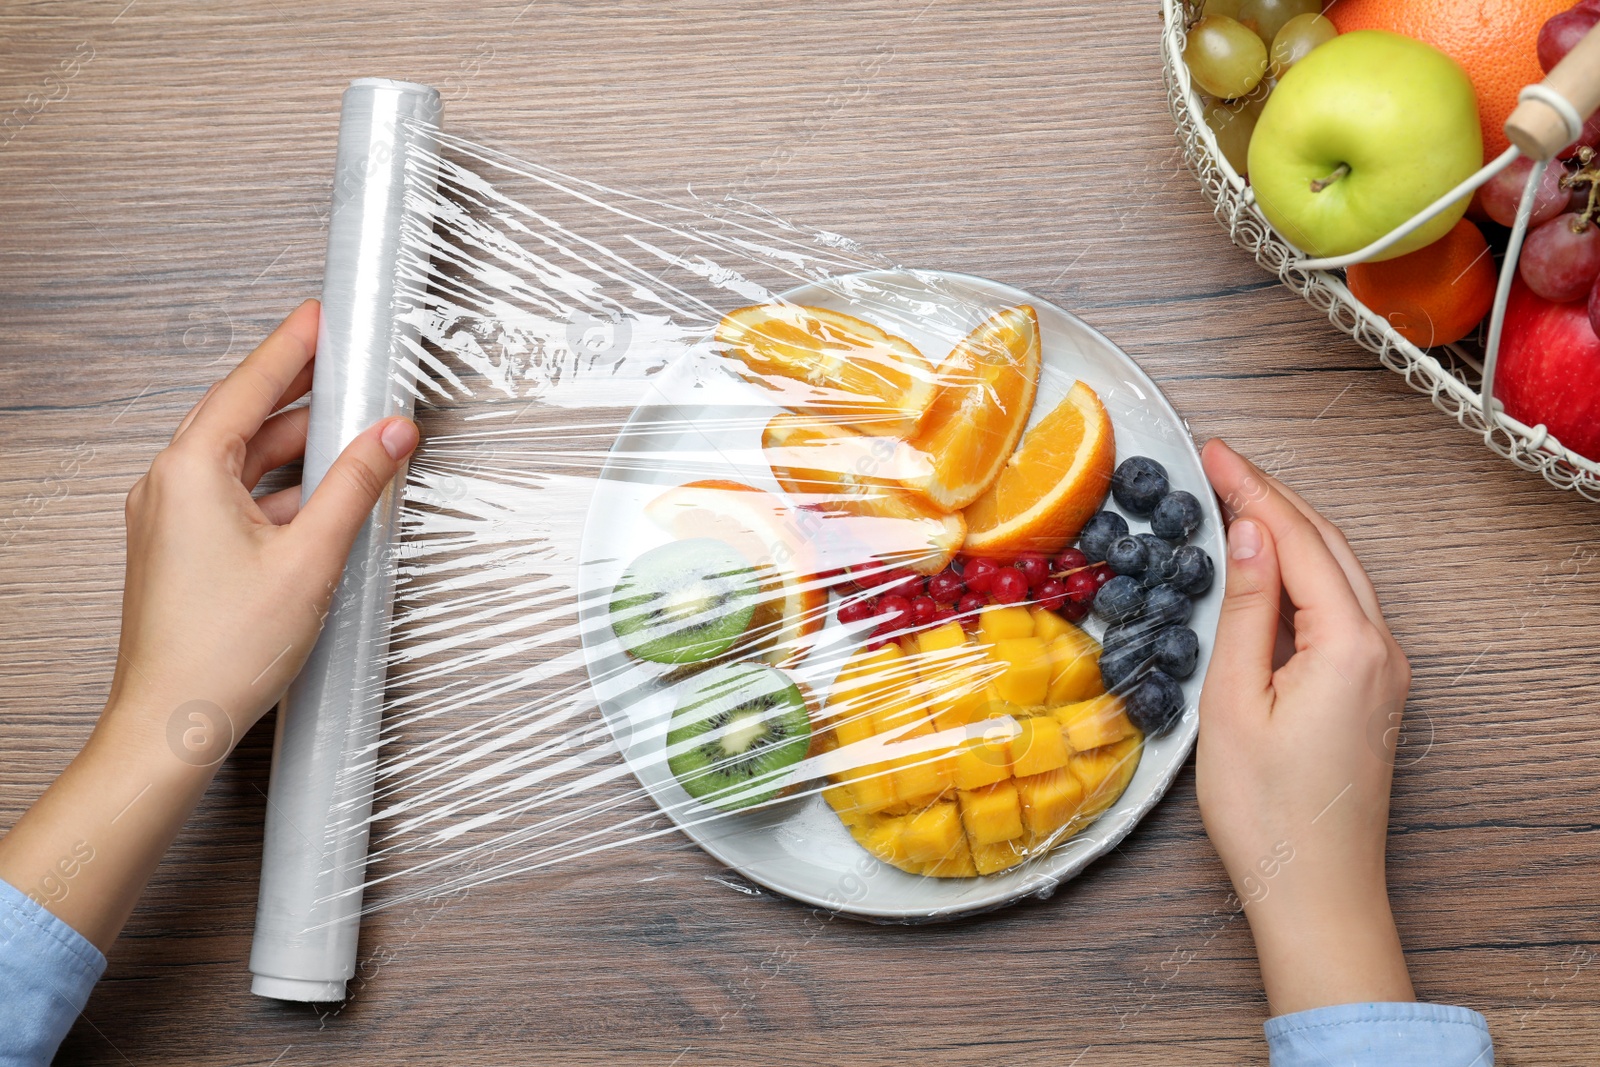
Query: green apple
{"type": "Point", "coordinates": [1361, 134]}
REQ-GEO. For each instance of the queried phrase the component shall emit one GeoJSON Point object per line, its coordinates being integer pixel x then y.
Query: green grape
{"type": "Point", "coordinates": [1226, 8]}
{"type": "Point", "coordinates": [1233, 124]}
{"type": "Point", "coordinates": [1296, 40]}
{"type": "Point", "coordinates": [1225, 59]}
{"type": "Point", "coordinates": [1267, 17]}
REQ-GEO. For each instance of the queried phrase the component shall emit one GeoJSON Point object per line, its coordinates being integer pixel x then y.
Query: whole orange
{"type": "Point", "coordinates": [1495, 40]}
{"type": "Point", "coordinates": [1435, 295]}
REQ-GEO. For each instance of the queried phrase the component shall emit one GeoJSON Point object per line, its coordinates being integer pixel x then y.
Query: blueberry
{"type": "Point", "coordinates": [1165, 604]}
{"type": "Point", "coordinates": [1127, 555]}
{"type": "Point", "coordinates": [1176, 516]}
{"type": "Point", "coordinates": [1119, 666]}
{"type": "Point", "coordinates": [1155, 703]}
{"type": "Point", "coordinates": [1138, 485]}
{"type": "Point", "coordinates": [1135, 634]}
{"type": "Point", "coordinates": [1176, 650]}
{"type": "Point", "coordinates": [1192, 570]}
{"type": "Point", "coordinates": [1120, 599]}
{"type": "Point", "coordinates": [1158, 560]}
{"type": "Point", "coordinates": [1099, 532]}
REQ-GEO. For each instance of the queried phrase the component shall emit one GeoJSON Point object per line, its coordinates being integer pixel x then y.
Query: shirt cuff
{"type": "Point", "coordinates": [1394, 1035]}
{"type": "Point", "coordinates": [47, 970]}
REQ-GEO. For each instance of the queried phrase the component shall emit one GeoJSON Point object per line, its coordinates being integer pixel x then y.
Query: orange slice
{"type": "Point", "coordinates": [825, 363]}
{"type": "Point", "coordinates": [1051, 485]}
{"type": "Point", "coordinates": [762, 527]}
{"type": "Point", "coordinates": [851, 476]}
{"type": "Point", "coordinates": [983, 403]}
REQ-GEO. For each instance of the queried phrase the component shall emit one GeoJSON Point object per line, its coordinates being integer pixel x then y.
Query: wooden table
{"type": "Point", "coordinates": [166, 173]}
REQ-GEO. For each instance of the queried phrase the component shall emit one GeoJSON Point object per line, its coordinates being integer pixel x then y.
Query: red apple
{"type": "Point", "coordinates": [1549, 369]}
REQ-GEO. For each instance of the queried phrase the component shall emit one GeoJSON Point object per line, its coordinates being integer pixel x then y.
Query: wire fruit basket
{"type": "Point", "coordinates": [1451, 375]}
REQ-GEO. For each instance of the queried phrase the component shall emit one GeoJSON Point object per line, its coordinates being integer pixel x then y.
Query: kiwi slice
{"type": "Point", "coordinates": [738, 734]}
{"type": "Point", "coordinates": [685, 602]}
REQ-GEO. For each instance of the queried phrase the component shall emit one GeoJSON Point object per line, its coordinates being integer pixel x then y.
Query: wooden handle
{"type": "Point", "coordinates": [1539, 129]}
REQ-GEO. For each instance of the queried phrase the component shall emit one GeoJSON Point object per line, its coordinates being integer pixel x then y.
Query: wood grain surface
{"type": "Point", "coordinates": [164, 181]}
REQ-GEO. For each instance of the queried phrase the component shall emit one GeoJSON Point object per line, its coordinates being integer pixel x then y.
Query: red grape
{"type": "Point", "coordinates": [856, 610]}
{"type": "Point", "coordinates": [1069, 560]}
{"type": "Point", "coordinates": [1081, 587]}
{"type": "Point", "coordinates": [1501, 194]}
{"type": "Point", "coordinates": [1561, 258]}
{"type": "Point", "coordinates": [1051, 594]}
{"type": "Point", "coordinates": [946, 587]}
{"type": "Point", "coordinates": [1034, 567]}
{"type": "Point", "coordinates": [922, 610]}
{"type": "Point", "coordinates": [1561, 33]}
{"type": "Point", "coordinates": [894, 608]}
{"type": "Point", "coordinates": [979, 575]}
{"type": "Point", "coordinates": [972, 603]}
{"type": "Point", "coordinates": [1010, 586]}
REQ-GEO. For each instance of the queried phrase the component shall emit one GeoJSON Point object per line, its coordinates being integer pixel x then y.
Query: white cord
{"type": "Point", "coordinates": [1508, 270]}
{"type": "Point", "coordinates": [1420, 219]}
{"type": "Point", "coordinates": [1563, 107]}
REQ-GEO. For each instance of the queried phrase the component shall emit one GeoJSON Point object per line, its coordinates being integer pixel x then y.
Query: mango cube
{"type": "Point", "coordinates": [1000, 623]}
{"type": "Point", "coordinates": [1049, 801]}
{"type": "Point", "coordinates": [1095, 722]}
{"type": "Point", "coordinates": [957, 864]}
{"type": "Point", "coordinates": [871, 788]}
{"type": "Point", "coordinates": [923, 774]}
{"type": "Point", "coordinates": [991, 814]}
{"type": "Point", "coordinates": [886, 841]}
{"type": "Point", "coordinates": [1074, 668]}
{"type": "Point", "coordinates": [1105, 772]}
{"type": "Point", "coordinates": [1047, 625]}
{"type": "Point", "coordinates": [986, 759]}
{"type": "Point", "coordinates": [1041, 746]}
{"type": "Point", "coordinates": [990, 859]}
{"type": "Point", "coordinates": [941, 639]}
{"type": "Point", "coordinates": [931, 835]}
{"type": "Point", "coordinates": [1026, 679]}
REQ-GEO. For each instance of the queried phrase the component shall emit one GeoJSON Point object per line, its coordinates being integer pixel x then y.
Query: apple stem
{"type": "Point", "coordinates": [1586, 174]}
{"type": "Point", "coordinates": [1320, 184]}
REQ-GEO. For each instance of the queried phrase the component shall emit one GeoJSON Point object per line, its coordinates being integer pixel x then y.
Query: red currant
{"type": "Point", "coordinates": [922, 610]}
{"type": "Point", "coordinates": [1034, 567]}
{"type": "Point", "coordinates": [1010, 587]}
{"type": "Point", "coordinates": [946, 587]}
{"type": "Point", "coordinates": [1102, 574]}
{"type": "Point", "coordinates": [906, 584]}
{"type": "Point", "coordinates": [1074, 612]}
{"type": "Point", "coordinates": [868, 575]}
{"type": "Point", "coordinates": [971, 604]}
{"type": "Point", "coordinates": [1069, 560]}
{"type": "Point", "coordinates": [1080, 587]}
{"type": "Point", "coordinates": [980, 574]}
{"type": "Point", "coordinates": [943, 615]}
{"type": "Point", "coordinates": [1051, 594]}
{"type": "Point", "coordinates": [894, 609]}
{"type": "Point", "coordinates": [856, 610]}
{"type": "Point", "coordinates": [883, 635]}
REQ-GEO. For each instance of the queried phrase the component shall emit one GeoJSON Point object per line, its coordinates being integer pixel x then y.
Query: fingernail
{"type": "Point", "coordinates": [1244, 539]}
{"type": "Point", "coordinates": [399, 438]}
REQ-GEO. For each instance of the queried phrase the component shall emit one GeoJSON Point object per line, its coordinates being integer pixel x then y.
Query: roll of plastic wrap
{"type": "Point", "coordinates": [314, 856]}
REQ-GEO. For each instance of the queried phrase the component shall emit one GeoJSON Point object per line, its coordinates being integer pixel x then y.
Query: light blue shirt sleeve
{"type": "Point", "coordinates": [47, 970]}
{"type": "Point", "coordinates": [1390, 1035]}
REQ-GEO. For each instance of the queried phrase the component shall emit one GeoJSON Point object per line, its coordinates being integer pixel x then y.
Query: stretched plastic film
{"type": "Point", "coordinates": [723, 526]}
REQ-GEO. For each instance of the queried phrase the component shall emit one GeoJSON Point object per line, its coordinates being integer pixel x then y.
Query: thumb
{"type": "Point", "coordinates": [1241, 663]}
{"type": "Point", "coordinates": [345, 497]}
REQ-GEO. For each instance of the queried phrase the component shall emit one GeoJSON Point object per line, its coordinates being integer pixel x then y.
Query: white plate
{"type": "Point", "coordinates": [799, 847]}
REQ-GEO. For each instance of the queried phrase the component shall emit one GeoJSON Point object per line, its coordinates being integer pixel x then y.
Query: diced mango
{"type": "Point", "coordinates": [1047, 625]}
{"type": "Point", "coordinates": [991, 859]}
{"type": "Point", "coordinates": [1105, 772]}
{"type": "Point", "coordinates": [1026, 680]}
{"type": "Point", "coordinates": [941, 639]}
{"type": "Point", "coordinates": [984, 760]}
{"type": "Point", "coordinates": [1095, 722]}
{"type": "Point", "coordinates": [1074, 668]}
{"type": "Point", "coordinates": [1049, 801]}
{"type": "Point", "coordinates": [853, 727]}
{"type": "Point", "coordinates": [871, 787]}
{"type": "Point", "coordinates": [923, 774]}
{"type": "Point", "coordinates": [886, 840]}
{"type": "Point", "coordinates": [957, 864]}
{"type": "Point", "coordinates": [1040, 747]}
{"type": "Point", "coordinates": [932, 835]}
{"type": "Point", "coordinates": [999, 623]}
{"type": "Point", "coordinates": [991, 814]}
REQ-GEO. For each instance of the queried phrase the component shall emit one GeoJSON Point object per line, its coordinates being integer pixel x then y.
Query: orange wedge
{"type": "Point", "coordinates": [762, 527]}
{"type": "Point", "coordinates": [852, 476]}
{"type": "Point", "coordinates": [1051, 485]}
{"type": "Point", "coordinates": [827, 363]}
{"type": "Point", "coordinates": [984, 399]}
